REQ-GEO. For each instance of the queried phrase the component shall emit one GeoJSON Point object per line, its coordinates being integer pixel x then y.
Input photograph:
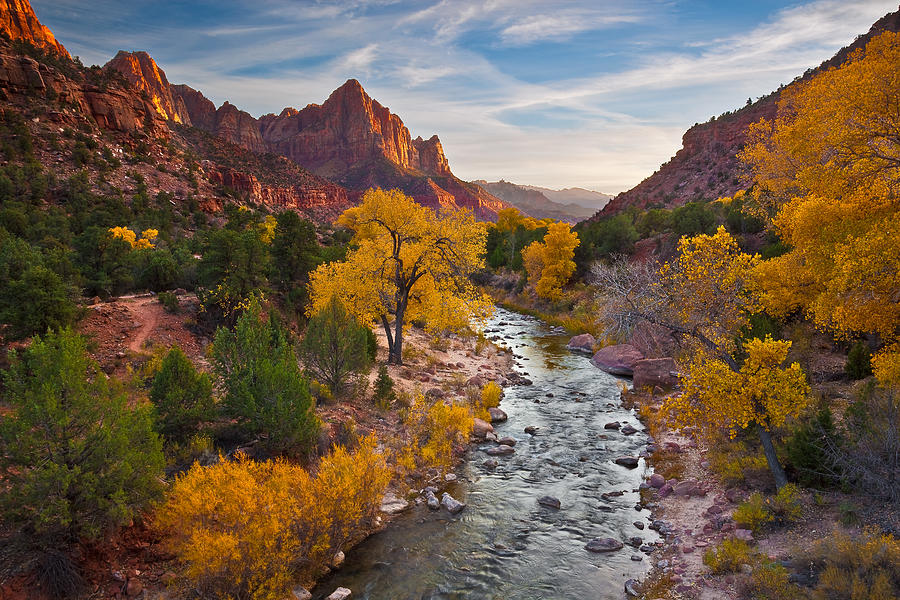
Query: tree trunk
{"type": "Point", "coordinates": [769, 448]}
{"type": "Point", "coordinates": [396, 356]}
{"type": "Point", "coordinates": [390, 338]}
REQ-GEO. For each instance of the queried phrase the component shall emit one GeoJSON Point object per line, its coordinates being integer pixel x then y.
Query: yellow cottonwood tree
{"type": "Point", "coordinates": [410, 263]}
{"type": "Point", "coordinates": [550, 263]}
{"type": "Point", "coordinates": [828, 168]}
{"type": "Point", "coordinates": [760, 393]}
{"type": "Point", "coordinates": [706, 296]}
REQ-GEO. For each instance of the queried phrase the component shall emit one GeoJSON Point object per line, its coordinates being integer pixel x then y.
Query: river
{"type": "Point", "coordinates": [505, 545]}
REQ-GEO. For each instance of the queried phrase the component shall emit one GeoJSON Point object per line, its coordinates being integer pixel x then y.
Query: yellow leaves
{"type": "Point", "coordinates": [886, 366]}
{"type": "Point", "coordinates": [148, 237]}
{"type": "Point", "coordinates": [409, 261]}
{"type": "Point", "coordinates": [248, 529]}
{"type": "Point", "coordinates": [709, 284]}
{"type": "Point", "coordinates": [762, 392]}
{"type": "Point", "coordinates": [510, 219]}
{"type": "Point", "coordinates": [434, 429]}
{"type": "Point", "coordinates": [549, 263]}
{"type": "Point", "coordinates": [267, 229]}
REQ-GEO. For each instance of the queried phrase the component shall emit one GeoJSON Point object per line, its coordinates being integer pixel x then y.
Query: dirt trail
{"type": "Point", "coordinates": [146, 311]}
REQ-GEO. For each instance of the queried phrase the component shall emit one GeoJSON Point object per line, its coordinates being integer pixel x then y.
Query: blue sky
{"type": "Point", "coordinates": [563, 93]}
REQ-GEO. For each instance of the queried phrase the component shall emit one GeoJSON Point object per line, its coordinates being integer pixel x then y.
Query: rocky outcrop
{"type": "Point", "coordinates": [18, 21]}
{"type": "Point", "coordinates": [296, 197]}
{"type": "Point", "coordinates": [618, 359]}
{"type": "Point", "coordinates": [227, 122]}
{"type": "Point", "coordinates": [111, 107]}
{"type": "Point", "coordinates": [146, 77]}
{"type": "Point", "coordinates": [706, 167]}
{"type": "Point", "coordinates": [347, 129]}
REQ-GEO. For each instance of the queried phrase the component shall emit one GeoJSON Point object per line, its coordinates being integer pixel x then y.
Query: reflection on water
{"type": "Point", "coordinates": [505, 545]}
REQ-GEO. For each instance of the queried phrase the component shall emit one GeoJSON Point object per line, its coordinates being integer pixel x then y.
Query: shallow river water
{"type": "Point", "coordinates": [504, 544]}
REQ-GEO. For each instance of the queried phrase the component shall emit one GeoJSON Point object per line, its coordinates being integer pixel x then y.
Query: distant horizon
{"type": "Point", "coordinates": [593, 95]}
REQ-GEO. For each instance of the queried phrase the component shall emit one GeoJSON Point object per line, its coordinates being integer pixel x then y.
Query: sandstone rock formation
{"type": "Point", "coordinates": [146, 77]}
{"type": "Point", "coordinates": [111, 107]}
{"type": "Point", "coordinates": [618, 359]}
{"type": "Point", "coordinates": [18, 21]}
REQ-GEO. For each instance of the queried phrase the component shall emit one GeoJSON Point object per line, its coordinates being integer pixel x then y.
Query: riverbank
{"type": "Point", "coordinates": [694, 499]}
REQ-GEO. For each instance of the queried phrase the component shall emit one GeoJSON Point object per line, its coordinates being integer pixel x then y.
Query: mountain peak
{"type": "Point", "coordinates": [18, 21]}
{"type": "Point", "coordinates": [144, 74]}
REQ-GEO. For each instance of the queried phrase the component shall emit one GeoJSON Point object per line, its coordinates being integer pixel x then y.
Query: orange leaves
{"type": "Point", "coordinates": [248, 529]}
{"type": "Point", "coordinates": [830, 164]}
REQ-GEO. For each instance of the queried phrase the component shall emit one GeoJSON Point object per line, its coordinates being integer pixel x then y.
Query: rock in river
{"type": "Point", "coordinates": [341, 593]}
{"type": "Point", "coordinates": [582, 343]}
{"type": "Point", "coordinates": [431, 500]}
{"type": "Point", "coordinates": [604, 545]}
{"type": "Point", "coordinates": [451, 504]}
{"type": "Point", "coordinates": [627, 461]}
{"type": "Point", "coordinates": [500, 450]}
{"type": "Point", "coordinates": [497, 415]}
{"type": "Point", "coordinates": [549, 502]}
{"type": "Point", "coordinates": [618, 359]}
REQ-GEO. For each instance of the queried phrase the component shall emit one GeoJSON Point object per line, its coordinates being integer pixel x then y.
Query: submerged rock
{"type": "Point", "coordinates": [549, 502]}
{"type": "Point", "coordinates": [604, 545]}
{"type": "Point", "coordinates": [500, 450]}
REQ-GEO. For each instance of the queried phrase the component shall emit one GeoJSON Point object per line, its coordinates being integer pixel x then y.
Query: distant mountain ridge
{"type": "Point", "coordinates": [542, 202]}
{"type": "Point", "coordinates": [706, 166]}
{"type": "Point", "coordinates": [350, 138]}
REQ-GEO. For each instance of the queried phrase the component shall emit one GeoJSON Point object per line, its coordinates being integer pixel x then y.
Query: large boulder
{"type": "Point", "coordinates": [618, 359]}
{"type": "Point", "coordinates": [653, 372]}
{"type": "Point", "coordinates": [481, 428]}
{"type": "Point", "coordinates": [582, 343]}
{"type": "Point", "coordinates": [498, 415]}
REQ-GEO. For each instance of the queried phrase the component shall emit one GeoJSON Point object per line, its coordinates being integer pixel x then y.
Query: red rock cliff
{"type": "Point", "coordinates": [227, 122]}
{"type": "Point", "coordinates": [348, 129]}
{"type": "Point", "coordinates": [145, 75]}
{"type": "Point", "coordinates": [18, 21]}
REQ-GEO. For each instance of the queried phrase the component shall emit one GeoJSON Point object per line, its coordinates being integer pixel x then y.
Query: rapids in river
{"type": "Point", "coordinates": [504, 545]}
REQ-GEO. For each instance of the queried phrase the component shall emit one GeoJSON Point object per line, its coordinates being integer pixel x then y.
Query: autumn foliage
{"type": "Point", "coordinates": [248, 530]}
{"type": "Point", "coordinates": [550, 263]}
{"type": "Point", "coordinates": [827, 170]}
{"type": "Point", "coordinates": [411, 263]}
{"type": "Point", "coordinates": [434, 428]}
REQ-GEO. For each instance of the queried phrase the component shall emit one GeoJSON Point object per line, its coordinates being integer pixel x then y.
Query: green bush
{"type": "Point", "coordinates": [169, 302]}
{"type": "Point", "coordinates": [859, 361]}
{"type": "Point", "coordinates": [335, 346]}
{"type": "Point", "coordinates": [384, 388]}
{"type": "Point", "coordinates": [806, 449]}
{"type": "Point", "coordinates": [182, 396]}
{"type": "Point", "coordinates": [76, 457]}
{"type": "Point", "coordinates": [769, 581]}
{"type": "Point", "coordinates": [264, 388]}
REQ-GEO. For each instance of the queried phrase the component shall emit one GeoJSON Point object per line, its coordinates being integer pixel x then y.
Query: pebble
{"type": "Point", "coordinates": [639, 525]}
{"type": "Point", "coordinates": [604, 545]}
